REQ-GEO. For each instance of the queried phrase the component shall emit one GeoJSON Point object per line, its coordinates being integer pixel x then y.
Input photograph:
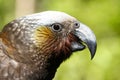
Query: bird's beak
{"type": "Point", "coordinates": [85, 36]}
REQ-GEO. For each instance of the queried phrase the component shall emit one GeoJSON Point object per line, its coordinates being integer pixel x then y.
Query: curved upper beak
{"type": "Point", "coordinates": [85, 34]}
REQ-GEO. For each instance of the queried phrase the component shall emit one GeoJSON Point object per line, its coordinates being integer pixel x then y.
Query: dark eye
{"type": "Point", "coordinates": [56, 27]}
{"type": "Point", "coordinates": [76, 24]}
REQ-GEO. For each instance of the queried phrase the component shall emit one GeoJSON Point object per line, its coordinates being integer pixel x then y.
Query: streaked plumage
{"type": "Point", "coordinates": [32, 47]}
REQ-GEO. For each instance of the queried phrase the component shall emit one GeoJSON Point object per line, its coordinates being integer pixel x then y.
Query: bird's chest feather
{"type": "Point", "coordinates": [43, 68]}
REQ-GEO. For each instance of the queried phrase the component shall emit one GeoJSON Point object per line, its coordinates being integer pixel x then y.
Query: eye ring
{"type": "Point", "coordinates": [56, 27]}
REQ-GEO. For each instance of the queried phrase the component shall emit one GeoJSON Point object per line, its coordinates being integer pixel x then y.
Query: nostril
{"type": "Point", "coordinates": [76, 25]}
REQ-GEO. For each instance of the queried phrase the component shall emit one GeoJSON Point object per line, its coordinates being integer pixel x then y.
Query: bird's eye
{"type": "Point", "coordinates": [57, 27]}
{"type": "Point", "coordinates": [76, 25]}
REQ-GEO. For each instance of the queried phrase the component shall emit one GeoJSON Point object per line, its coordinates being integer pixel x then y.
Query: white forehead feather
{"type": "Point", "coordinates": [48, 17]}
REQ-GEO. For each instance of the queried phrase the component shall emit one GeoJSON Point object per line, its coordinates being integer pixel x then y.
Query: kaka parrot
{"type": "Point", "coordinates": [32, 47]}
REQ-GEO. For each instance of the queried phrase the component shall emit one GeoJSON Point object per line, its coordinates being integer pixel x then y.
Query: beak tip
{"type": "Point", "coordinates": [92, 56]}
{"type": "Point", "coordinates": [93, 50]}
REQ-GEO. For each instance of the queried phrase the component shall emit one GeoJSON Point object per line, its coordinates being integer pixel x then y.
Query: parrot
{"type": "Point", "coordinates": [32, 47]}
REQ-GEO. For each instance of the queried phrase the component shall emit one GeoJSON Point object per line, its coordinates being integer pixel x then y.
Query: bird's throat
{"type": "Point", "coordinates": [46, 66]}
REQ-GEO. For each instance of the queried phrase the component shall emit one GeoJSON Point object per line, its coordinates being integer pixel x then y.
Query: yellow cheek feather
{"type": "Point", "coordinates": [43, 35]}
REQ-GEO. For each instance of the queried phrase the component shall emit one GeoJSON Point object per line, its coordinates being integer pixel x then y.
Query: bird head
{"type": "Point", "coordinates": [49, 32]}
{"type": "Point", "coordinates": [63, 33]}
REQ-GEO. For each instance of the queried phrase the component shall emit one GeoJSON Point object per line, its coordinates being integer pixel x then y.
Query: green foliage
{"type": "Point", "coordinates": [6, 11]}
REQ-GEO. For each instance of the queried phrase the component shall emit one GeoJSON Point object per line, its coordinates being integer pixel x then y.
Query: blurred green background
{"type": "Point", "coordinates": [102, 16]}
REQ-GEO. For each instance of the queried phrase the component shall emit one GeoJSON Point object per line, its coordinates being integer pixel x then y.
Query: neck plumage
{"type": "Point", "coordinates": [46, 66]}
